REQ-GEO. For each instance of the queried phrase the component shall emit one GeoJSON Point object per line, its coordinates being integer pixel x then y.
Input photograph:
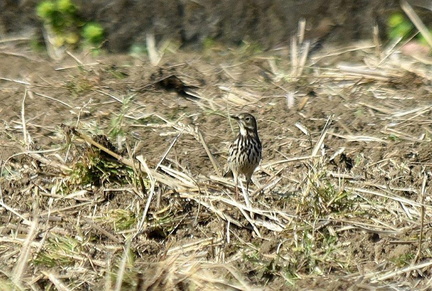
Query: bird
{"type": "Point", "coordinates": [245, 152]}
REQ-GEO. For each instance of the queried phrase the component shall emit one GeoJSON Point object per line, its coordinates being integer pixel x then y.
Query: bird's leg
{"type": "Point", "coordinates": [246, 193]}
{"type": "Point", "coordinates": [236, 185]}
{"type": "Point", "coordinates": [248, 203]}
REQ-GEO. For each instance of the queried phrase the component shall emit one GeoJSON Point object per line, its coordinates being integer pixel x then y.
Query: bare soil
{"type": "Point", "coordinates": [348, 222]}
{"type": "Point", "coordinates": [267, 23]}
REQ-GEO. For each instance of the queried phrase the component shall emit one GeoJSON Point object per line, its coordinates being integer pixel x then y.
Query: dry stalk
{"type": "Point", "coordinates": [150, 197]}
{"type": "Point", "coordinates": [393, 197]}
{"type": "Point", "coordinates": [47, 162]}
{"type": "Point", "coordinates": [102, 230]}
{"type": "Point", "coordinates": [67, 208]}
{"type": "Point", "coordinates": [26, 135]}
{"type": "Point", "coordinates": [54, 99]}
{"type": "Point", "coordinates": [209, 154]}
{"type": "Point", "coordinates": [406, 7]}
{"type": "Point", "coordinates": [56, 281]}
{"type": "Point", "coordinates": [324, 131]}
{"type": "Point", "coordinates": [168, 150]}
{"type": "Point", "coordinates": [10, 209]}
{"type": "Point", "coordinates": [194, 246]}
{"type": "Point", "coordinates": [422, 216]}
{"type": "Point", "coordinates": [294, 55]}
{"type": "Point", "coordinates": [152, 51]}
{"type": "Point", "coordinates": [122, 266]}
{"type": "Point", "coordinates": [75, 58]}
{"type": "Point", "coordinates": [270, 164]}
{"type": "Point", "coordinates": [378, 276]}
{"type": "Point", "coordinates": [25, 253]}
{"type": "Point", "coordinates": [273, 223]}
{"type": "Point", "coordinates": [15, 81]}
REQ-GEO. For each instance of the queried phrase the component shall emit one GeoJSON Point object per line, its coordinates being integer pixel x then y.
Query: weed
{"type": "Point", "coordinates": [248, 49]}
{"type": "Point", "coordinates": [93, 33]}
{"type": "Point", "coordinates": [393, 137]}
{"type": "Point", "coordinates": [116, 129]}
{"type": "Point", "coordinates": [96, 168]}
{"type": "Point", "coordinates": [58, 251]}
{"type": "Point", "coordinates": [400, 26]}
{"type": "Point", "coordinates": [323, 196]}
{"type": "Point", "coordinates": [121, 219]}
{"type": "Point", "coordinates": [61, 19]}
{"type": "Point", "coordinates": [79, 86]}
{"type": "Point", "coordinates": [403, 260]}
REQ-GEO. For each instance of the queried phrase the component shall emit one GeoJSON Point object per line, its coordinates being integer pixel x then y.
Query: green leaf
{"type": "Point", "coordinates": [396, 19]}
{"type": "Point", "coordinates": [65, 6]}
{"type": "Point", "coordinates": [45, 9]}
{"type": "Point", "coordinates": [93, 33]}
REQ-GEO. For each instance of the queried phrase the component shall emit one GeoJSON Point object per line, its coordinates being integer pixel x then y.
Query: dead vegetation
{"type": "Point", "coordinates": [127, 193]}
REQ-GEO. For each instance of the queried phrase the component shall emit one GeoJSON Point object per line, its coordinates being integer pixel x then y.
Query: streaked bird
{"type": "Point", "coordinates": [245, 151]}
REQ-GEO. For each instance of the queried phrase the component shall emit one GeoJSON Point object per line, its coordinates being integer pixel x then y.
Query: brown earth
{"type": "Point", "coordinates": [231, 22]}
{"type": "Point", "coordinates": [345, 223]}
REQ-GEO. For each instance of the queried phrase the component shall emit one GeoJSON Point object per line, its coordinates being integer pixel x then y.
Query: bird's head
{"type": "Point", "coordinates": [247, 123]}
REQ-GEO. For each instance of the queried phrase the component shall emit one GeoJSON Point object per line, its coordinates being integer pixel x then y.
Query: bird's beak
{"type": "Point", "coordinates": [234, 117]}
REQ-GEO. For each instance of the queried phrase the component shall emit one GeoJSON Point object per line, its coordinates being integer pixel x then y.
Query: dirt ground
{"type": "Point", "coordinates": [269, 23]}
{"type": "Point", "coordinates": [349, 218]}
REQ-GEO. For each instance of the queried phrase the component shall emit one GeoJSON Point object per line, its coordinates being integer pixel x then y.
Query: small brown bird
{"type": "Point", "coordinates": [245, 151]}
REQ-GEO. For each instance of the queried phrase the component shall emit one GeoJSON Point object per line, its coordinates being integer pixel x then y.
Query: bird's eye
{"type": "Point", "coordinates": [247, 118]}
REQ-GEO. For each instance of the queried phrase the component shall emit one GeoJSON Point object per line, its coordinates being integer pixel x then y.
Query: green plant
{"type": "Point", "coordinates": [120, 219]}
{"type": "Point", "coordinates": [422, 39]}
{"type": "Point", "coordinates": [117, 122]}
{"type": "Point", "coordinates": [94, 167]}
{"type": "Point", "coordinates": [393, 137]}
{"type": "Point", "coordinates": [61, 19]}
{"type": "Point", "coordinates": [208, 43]}
{"type": "Point", "coordinates": [400, 26]}
{"type": "Point", "coordinates": [323, 196]}
{"type": "Point", "coordinates": [403, 260]}
{"type": "Point", "coordinates": [58, 251]}
{"type": "Point", "coordinates": [93, 33]}
{"type": "Point", "coordinates": [79, 85]}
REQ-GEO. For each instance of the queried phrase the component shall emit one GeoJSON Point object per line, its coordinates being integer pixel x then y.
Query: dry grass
{"type": "Point", "coordinates": [346, 207]}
